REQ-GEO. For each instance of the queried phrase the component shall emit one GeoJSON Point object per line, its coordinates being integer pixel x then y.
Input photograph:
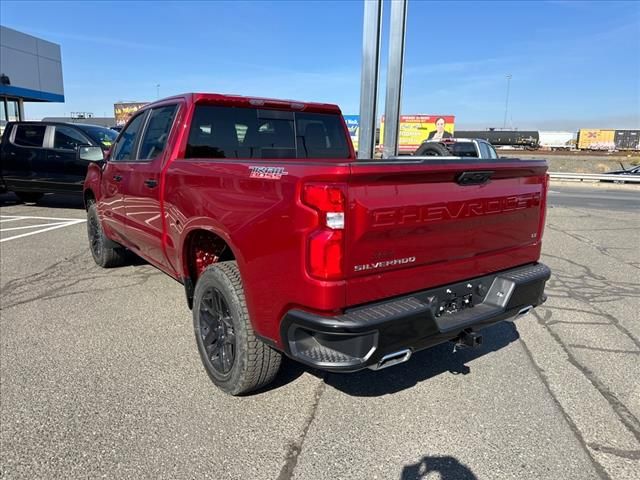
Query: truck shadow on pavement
{"type": "Point", "coordinates": [423, 365]}
{"type": "Point", "coordinates": [448, 468]}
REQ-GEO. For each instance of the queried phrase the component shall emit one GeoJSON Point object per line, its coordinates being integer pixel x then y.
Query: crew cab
{"type": "Point", "coordinates": [286, 244]}
{"type": "Point", "coordinates": [42, 157]}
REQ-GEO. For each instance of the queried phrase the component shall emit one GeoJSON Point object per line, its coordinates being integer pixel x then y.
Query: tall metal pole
{"type": "Point", "coordinates": [394, 77]}
{"type": "Point", "coordinates": [157, 91]}
{"type": "Point", "coordinates": [506, 104]}
{"type": "Point", "coordinates": [371, 37]}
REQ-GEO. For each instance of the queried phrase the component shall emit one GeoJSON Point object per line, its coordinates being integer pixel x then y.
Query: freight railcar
{"type": "Point", "coordinates": [504, 138]}
{"type": "Point", "coordinates": [556, 140]}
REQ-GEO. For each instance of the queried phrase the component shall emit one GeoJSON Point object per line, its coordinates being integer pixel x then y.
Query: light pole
{"type": "Point", "coordinates": [506, 103]}
{"type": "Point", "coordinates": [157, 90]}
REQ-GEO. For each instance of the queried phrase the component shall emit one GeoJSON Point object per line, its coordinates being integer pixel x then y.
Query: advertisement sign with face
{"type": "Point", "coordinates": [415, 129]}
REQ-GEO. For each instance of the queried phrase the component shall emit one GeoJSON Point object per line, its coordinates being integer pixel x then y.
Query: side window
{"type": "Point", "coordinates": [157, 133]}
{"type": "Point", "coordinates": [67, 138]}
{"type": "Point", "coordinates": [124, 149]}
{"type": "Point", "coordinates": [492, 151]}
{"type": "Point", "coordinates": [484, 150]}
{"type": "Point", "coordinates": [29, 135]}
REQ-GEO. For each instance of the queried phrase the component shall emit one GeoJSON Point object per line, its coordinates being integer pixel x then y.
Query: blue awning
{"type": "Point", "coordinates": [30, 95]}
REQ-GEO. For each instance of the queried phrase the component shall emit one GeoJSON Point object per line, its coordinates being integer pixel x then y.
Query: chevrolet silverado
{"type": "Point", "coordinates": [287, 244]}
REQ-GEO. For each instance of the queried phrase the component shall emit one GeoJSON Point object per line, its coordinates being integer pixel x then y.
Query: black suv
{"type": "Point", "coordinates": [42, 157]}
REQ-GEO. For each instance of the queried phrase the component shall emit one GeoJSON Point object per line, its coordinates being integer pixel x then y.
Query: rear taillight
{"type": "Point", "coordinates": [325, 248]}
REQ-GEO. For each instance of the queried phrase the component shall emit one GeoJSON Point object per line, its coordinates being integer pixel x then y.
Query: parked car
{"type": "Point", "coordinates": [624, 172]}
{"type": "Point", "coordinates": [42, 157]}
{"type": "Point", "coordinates": [457, 147]}
{"type": "Point", "coordinates": [286, 244]}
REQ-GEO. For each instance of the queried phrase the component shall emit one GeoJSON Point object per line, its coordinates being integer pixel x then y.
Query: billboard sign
{"type": "Point", "coordinates": [353, 125]}
{"type": "Point", "coordinates": [415, 129]}
{"type": "Point", "coordinates": [124, 110]}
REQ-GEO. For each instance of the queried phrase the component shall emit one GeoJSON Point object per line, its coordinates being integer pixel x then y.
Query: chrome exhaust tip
{"type": "Point", "coordinates": [525, 310]}
{"type": "Point", "coordinates": [392, 359]}
{"type": "Point", "coordinates": [521, 313]}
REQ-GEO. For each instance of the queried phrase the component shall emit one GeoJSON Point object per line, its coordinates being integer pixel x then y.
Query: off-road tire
{"type": "Point", "coordinates": [29, 197]}
{"type": "Point", "coordinates": [102, 250]}
{"type": "Point", "coordinates": [255, 364]}
{"type": "Point", "coordinates": [432, 149]}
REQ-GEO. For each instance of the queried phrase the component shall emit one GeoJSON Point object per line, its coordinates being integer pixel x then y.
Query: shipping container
{"type": "Point", "coordinates": [555, 139]}
{"type": "Point", "coordinates": [627, 139]}
{"type": "Point", "coordinates": [596, 139]}
{"type": "Point", "coordinates": [506, 138]}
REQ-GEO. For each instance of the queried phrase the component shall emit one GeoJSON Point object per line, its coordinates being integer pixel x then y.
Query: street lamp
{"type": "Point", "coordinates": [157, 90]}
{"type": "Point", "coordinates": [506, 103]}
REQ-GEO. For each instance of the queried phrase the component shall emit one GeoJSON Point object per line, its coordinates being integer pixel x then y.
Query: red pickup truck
{"type": "Point", "coordinates": [286, 244]}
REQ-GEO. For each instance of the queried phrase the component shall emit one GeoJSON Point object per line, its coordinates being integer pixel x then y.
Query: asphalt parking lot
{"type": "Point", "coordinates": [100, 376]}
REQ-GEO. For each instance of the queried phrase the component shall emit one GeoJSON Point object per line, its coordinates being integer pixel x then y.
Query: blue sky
{"type": "Point", "coordinates": [574, 64]}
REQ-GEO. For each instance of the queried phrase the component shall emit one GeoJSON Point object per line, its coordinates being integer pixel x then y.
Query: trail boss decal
{"type": "Point", "coordinates": [272, 173]}
{"type": "Point", "coordinates": [386, 263]}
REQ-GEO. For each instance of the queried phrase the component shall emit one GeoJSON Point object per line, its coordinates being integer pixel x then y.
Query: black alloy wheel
{"type": "Point", "coordinates": [95, 236]}
{"type": "Point", "coordinates": [236, 360]}
{"type": "Point", "coordinates": [105, 252]}
{"type": "Point", "coordinates": [217, 332]}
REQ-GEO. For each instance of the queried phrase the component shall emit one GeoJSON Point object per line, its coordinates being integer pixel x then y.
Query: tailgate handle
{"type": "Point", "coordinates": [474, 178]}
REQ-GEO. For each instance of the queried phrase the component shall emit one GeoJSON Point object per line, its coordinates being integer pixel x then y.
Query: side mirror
{"type": "Point", "coordinates": [89, 153]}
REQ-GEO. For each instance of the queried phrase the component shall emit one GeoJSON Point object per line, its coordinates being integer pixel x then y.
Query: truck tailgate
{"type": "Point", "coordinates": [412, 225]}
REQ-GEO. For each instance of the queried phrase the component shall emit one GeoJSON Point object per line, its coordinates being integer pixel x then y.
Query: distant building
{"type": "Point", "coordinates": [30, 71]}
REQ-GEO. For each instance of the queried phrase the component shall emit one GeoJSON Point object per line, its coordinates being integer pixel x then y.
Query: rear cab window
{"type": "Point", "coordinates": [29, 135]}
{"type": "Point", "coordinates": [464, 149]}
{"type": "Point", "coordinates": [244, 132]}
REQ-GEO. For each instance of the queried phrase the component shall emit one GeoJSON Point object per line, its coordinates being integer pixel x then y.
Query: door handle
{"type": "Point", "coordinates": [151, 183]}
{"type": "Point", "coordinates": [117, 178]}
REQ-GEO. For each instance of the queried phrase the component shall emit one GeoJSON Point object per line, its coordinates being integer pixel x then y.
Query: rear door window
{"type": "Point", "coordinates": [67, 138]}
{"type": "Point", "coordinates": [29, 135]}
{"type": "Point", "coordinates": [157, 132]}
{"type": "Point", "coordinates": [233, 132]}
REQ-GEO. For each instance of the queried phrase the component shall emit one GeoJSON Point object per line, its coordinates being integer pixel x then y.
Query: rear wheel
{"type": "Point", "coordinates": [29, 197]}
{"type": "Point", "coordinates": [235, 359]}
{"type": "Point", "coordinates": [104, 253]}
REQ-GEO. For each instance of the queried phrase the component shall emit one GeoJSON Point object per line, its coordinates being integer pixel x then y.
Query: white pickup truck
{"type": "Point", "coordinates": [456, 147]}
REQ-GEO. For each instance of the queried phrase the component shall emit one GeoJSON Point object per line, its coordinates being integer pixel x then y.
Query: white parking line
{"type": "Point", "coordinates": [32, 226]}
{"type": "Point", "coordinates": [25, 217]}
{"type": "Point", "coordinates": [57, 223]}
